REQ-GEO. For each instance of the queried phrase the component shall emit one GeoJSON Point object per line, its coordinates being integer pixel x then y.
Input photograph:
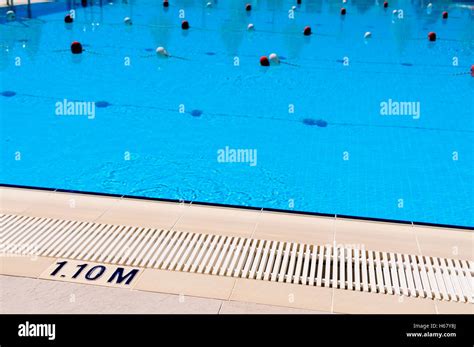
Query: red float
{"type": "Point", "coordinates": [343, 11]}
{"type": "Point", "coordinates": [385, 4]}
{"type": "Point", "coordinates": [76, 47]}
{"type": "Point", "coordinates": [185, 25]}
{"type": "Point", "coordinates": [264, 61]}
{"type": "Point", "coordinates": [307, 30]}
{"type": "Point", "coordinates": [445, 15]}
{"type": "Point", "coordinates": [432, 36]}
{"type": "Point", "coordinates": [68, 19]}
{"type": "Point", "coordinates": [248, 7]}
{"type": "Point", "coordinates": [166, 3]}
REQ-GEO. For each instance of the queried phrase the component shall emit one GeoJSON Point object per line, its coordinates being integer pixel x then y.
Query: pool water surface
{"type": "Point", "coordinates": [377, 127]}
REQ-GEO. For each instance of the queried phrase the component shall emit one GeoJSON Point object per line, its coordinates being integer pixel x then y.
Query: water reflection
{"type": "Point", "coordinates": [161, 27]}
{"type": "Point", "coordinates": [230, 19]}
{"type": "Point", "coordinates": [232, 29]}
{"type": "Point", "coordinates": [16, 38]}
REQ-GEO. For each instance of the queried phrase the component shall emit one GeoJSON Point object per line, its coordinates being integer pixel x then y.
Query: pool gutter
{"type": "Point", "coordinates": [291, 228]}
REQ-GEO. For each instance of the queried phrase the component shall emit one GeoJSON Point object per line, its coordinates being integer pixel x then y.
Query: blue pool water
{"type": "Point", "coordinates": [166, 127]}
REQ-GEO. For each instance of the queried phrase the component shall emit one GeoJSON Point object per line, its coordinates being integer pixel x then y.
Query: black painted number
{"type": "Point", "coordinates": [118, 275]}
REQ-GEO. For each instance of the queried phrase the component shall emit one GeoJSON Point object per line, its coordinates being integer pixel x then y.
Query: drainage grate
{"type": "Point", "coordinates": [314, 265]}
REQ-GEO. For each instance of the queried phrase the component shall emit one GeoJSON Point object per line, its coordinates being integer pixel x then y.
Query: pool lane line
{"type": "Point", "coordinates": [84, 50]}
{"type": "Point", "coordinates": [290, 64]}
{"type": "Point", "coordinates": [164, 57]}
{"type": "Point", "coordinates": [295, 33]}
{"type": "Point", "coordinates": [300, 9]}
{"type": "Point", "coordinates": [462, 73]}
{"type": "Point", "coordinates": [284, 33]}
{"type": "Point", "coordinates": [309, 66]}
{"type": "Point", "coordinates": [299, 120]}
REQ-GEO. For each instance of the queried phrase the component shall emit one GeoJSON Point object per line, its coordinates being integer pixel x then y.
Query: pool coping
{"type": "Point", "coordinates": [428, 240]}
{"type": "Point", "coordinates": [255, 208]}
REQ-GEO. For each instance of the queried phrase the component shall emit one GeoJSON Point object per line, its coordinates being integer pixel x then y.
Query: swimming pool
{"type": "Point", "coordinates": [378, 127]}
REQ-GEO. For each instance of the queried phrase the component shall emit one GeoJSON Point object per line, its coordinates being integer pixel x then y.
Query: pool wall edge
{"type": "Point", "coordinates": [319, 214]}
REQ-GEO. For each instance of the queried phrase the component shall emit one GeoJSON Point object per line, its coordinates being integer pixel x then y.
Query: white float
{"type": "Point", "coordinates": [11, 15]}
{"type": "Point", "coordinates": [274, 59]}
{"type": "Point", "coordinates": [161, 51]}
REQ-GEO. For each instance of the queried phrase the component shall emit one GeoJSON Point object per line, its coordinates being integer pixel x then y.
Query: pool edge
{"type": "Point", "coordinates": [254, 208]}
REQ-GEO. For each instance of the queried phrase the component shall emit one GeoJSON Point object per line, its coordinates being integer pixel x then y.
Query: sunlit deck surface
{"type": "Point", "coordinates": [27, 288]}
{"type": "Point", "coordinates": [22, 2]}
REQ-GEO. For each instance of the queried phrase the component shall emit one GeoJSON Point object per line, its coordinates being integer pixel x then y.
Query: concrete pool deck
{"type": "Point", "coordinates": [241, 294]}
{"type": "Point", "coordinates": [21, 2]}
